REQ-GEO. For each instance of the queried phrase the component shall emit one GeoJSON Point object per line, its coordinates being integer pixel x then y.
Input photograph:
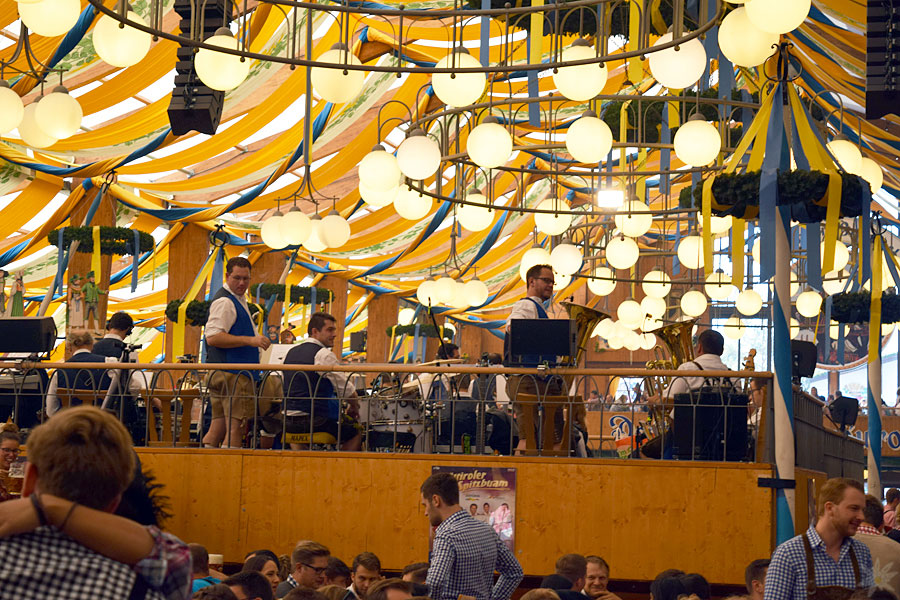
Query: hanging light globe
{"type": "Point", "coordinates": [657, 284]}
{"type": "Point", "coordinates": [720, 225]}
{"type": "Point", "coordinates": [754, 250]}
{"type": "Point", "coordinates": [121, 46]}
{"type": "Point", "coordinates": [632, 341]}
{"type": "Point", "coordinates": [834, 282]}
{"type": "Point", "coordinates": [678, 69]}
{"type": "Point", "coordinates": [834, 329]}
{"type": "Point", "coordinates": [635, 219]}
{"type": "Point", "coordinates": [795, 328]}
{"type": "Point", "coordinates": [533, 256]}
{"type": "Point", "coordinates": [418, 156]}
{"type": "Point", "coordinates": [778, 16]}
{"type": "Point", "coordinates": [630, 314]}
{"type": "Point", "coordinates": [218, 70]}
{"type": "Point", "coordinates": [887, 329]}
{"type": "Point", "coordinates": [603, 328]}
{"type": "Point", "coordinates": [580, 82]}
{"type": "Point", "coordinates": [459, 298]}
{"type": "Point", "coordinates": [458, 89]}
{"type": "Point", "coordinates": [622, 252]}
{"type": "Point", "coordinates": [475, 218]}
{"type": "Point", "coordinates": [315, 243]}
{"type": "Point", "coordinates": [271, 232]}
{"type": "Point", "coordinates": [846, 154]}
{"type": "Point", "coordinates": [411, 205]}
{"type": "Point", "coordinates": [610, 198]}
{"type": "Point", "coordinates": [697, 142]}
{"type": "Point", "coordinates": [734, 328]}
{"type": "Point", "coordinates": [50, 18]}
{"type": "Point", "coordinates": [693, 303]}
{"type": "Point", "coordinates": [426, 291]}
{"type": "Point", "coordinates": [295, 227]}
{"type": "Point", "coordinates": [29, 130]}
{"type": "Point", "coordinates": [742, 42]}
{"type": "Point", "coordinates": [338, 85]}
{"type": "Point", "coordinates": [378, 198]}
{"type": "Point", "coordinates": [651, 324]}
{"type": "Point", "coordinates": [871, 172]}
{"type": "Point", "coordinates": [379, 171]}
{"type": "Point", "coordinates": [406, 316]}
{"type": "Point", "coordinates": [795, 284]}
{"type": "Point", "coordinates": [476, 292]}
{"type": "Point", "coordinates": [748, 302]}
{"type": "Point", "coordinates": [653, 306]}
{"type": "Point", "coordinates": [588, 138]}
{"type": "Point", "coordinates": [841, 255]}
{"type": "Point", "coordinates": [444, 289]}
{"type": "Point", "coordinates": [648, 341]}
{"type": "Point", "coordinates": [615, 342]}
{"type": "Point", "coordinates": [11, 108]}
{"type": "Point", "coordinates": [561, 280]}
{"type": "Point", "coordinates": [809, 303]}
{"type": "Point", "coordinates": [718, 286]}
{"type": "Point", "coordinates": [690, 252]}
{"type": "Point", "coordinates": [334, 230]}
{"type": "Point", "coordinates": [605, 281]}
{"type": "Point", "coordinates": [59, 114]}
{"type": "Point", "coordinates": [554, 223]}
{"type": "Point", "coordinates": [489, 144]}
{"type": "Point", "coordinates": [566, 258]}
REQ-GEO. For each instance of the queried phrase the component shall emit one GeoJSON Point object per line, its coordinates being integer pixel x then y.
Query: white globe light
{"type": "Point", "coordinates": [334, 230]}
{"type": "Point", "coordinates": [834, 282]}
{"type": "Point", "coordinates": [651, 324]}
{"type": "Point", "coordinates": [475, 218]}
{"type": "Point", "coordinates": [31, 133]}
{"type": "Point", "coordinates": [459, 298]}
{"type": "Point", "coordinates": [336, 85]}
{"type": "Point", "coordinates": [59, 114]}
{"type": "Point", "coordinates": [11, 108]}
{"type": "Point", "coordinates": [426, 293]}
{"type": "Point", "coordinates": [418, 156]}
{"type": "Point", "coordinates": [411, 205]}
{"type": "Point", "coordinates": [378, 198]}
{"type": "Point", "coordinates": [603, 328]}
{"type": "Point", "coordinates": [218, 70]}
{"type": "Point", "coordinates": [742, 42]}
{"type": "Point", "coordinates": [871, 172]}
{"type": "Point", "coordinates": [489, 144]}
{"type": "Point", "coordinates": [50, 18]}
{"type": "Point", "coordinates": [459, 89]}
{"type": "Point", "coordinates": [630, 314]}
{"type": "Point", "coordinates": [622, 252]}
{"type": "Point", "coordinates": [635, 219]}
{"type": "Point", "coordinates": [271, 232]}
{"type": "Point", "coordinates": [648, 341]}
{"type": "Point", "coordinates": [697, 143]}
{"type": "Point", "coordinates": [633, 341]}
{"type": "Point", "coordinates": [778, 16]}
{"type": "Point", "coordinates": [295, 227]}
{"type": "Point", "coordinates": [315, 243]}
{"type": "Point", "coordinates": [566, 258]}
{"type": "Point", "coordinates": [718, 286]}
{"type": "Point", "coordinates": [748, 302]}
{"type": "Point", "coordinates": [588, 138]}
{"type": "Point", "coordinates": [754, 250]}
{"type": "Point", "coordinates": [834, 330]}
{"type": "Point", "coordinates": [121, 46]}
{"type": "Point", "coordinates": [611, 198]}
{"type": "Point", "coordinates": [406, 316]}
{"type": "Point", "coordinates": [379, 171]}
{"type": "Point", "coordinates": [553, 223]}
{"type": "Point", "coordinates": [444, 288]}
{"type": "Point", "coordinates": [734, 328]}
{"type": "Point", "coordinates": [561, 280]}
{"type": "Point", "coordinates": [693, 303]}
{"type": "Point", "coordinates": [615, 342]}
{"type": "Point", "coordinates": [476, 292]}
{"type": "Point", "coordinates": [678, 69]}
{"type": "Point", "coordinates": [809, 303]}
{"type": "Point", "coordinates": [605, 284]}
{"type": "Point", "coordinates": [655, 307]}
{"type": "Point", "coordinates": [841, 255]}
{"type": "Point", "coordinates": [690, 252]}
{"type": "Point", "coordinates": [580, 82]}
{"type": "Point", "coordinates": [533, 256]}
{"type": "Point", "coordinates": [720, 225]}
{"type": "Point", "coordinates": [795, 284]}
{"type": "Point", "coordinates": [656, 284]}
{"type": "Point", "coordinates": [846, 154]}
{"type": "Point", "coordinates": [795, 328]}
{"type": "Point", "coordinates": [887, 329]}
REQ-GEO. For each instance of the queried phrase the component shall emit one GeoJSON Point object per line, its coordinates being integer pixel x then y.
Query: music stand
{"type": "Point", "coordinates": [843, 411]}
{"type": "Point", "coordinates": [542, 340]}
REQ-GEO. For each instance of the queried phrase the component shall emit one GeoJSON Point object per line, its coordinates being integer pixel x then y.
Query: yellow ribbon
{"type": "Point", "coordinates": [706, 210]}
{"type": "Point", "coordinates": [178, 330]}
{"type": "Point", "coordinates": [95, 255]}
{"type": "Point", "coordinates": [287, 303]}
{"type": "Point", "coordinates": [875, 307]}
{"type": "Point", "coordinates": [623, 122]}
{"type": "Point", "coordinates": [635, 67]}
{"type": "Point", "coordinates": [738, 226]}
{"type": "Point", "coordinates": [537, 34]}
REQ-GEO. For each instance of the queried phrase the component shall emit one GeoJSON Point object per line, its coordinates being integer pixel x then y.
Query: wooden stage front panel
{"type": "Point", "coordinates": [642, 516]}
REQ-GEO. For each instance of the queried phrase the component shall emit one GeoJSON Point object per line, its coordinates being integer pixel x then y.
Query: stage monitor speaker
{"type": "Point", "coordinates": [358, 341]}
{"type": "Point", "coordinates": [803, 358]}
{"type": "Point", "coordinates": [843, 411]}
{"type": "Point", "coordinates": [535, 341]}
{"type": "Point", "coordinates": [27, 334]}
{"type": "Point", "coordinates": [710, 424]}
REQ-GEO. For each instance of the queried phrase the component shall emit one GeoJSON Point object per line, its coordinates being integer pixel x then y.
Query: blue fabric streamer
{"type": "Point", "coordinates": [813, 260]}
{"type": "Point", "coordinates": [485, 35]}
{"type": "Point", "coordinates": [136, 256]}
{"type": "Point", "coordinates": [865, 226]}
{"type": "Point", "coordinates": [768, 188]}
{"type": "Point", "coordinates": [218, 270]}
{"type": "Point", "coordinates": [665, 137]}
{"type": "Point", "coordinates": [312, 297]}
{"type": "Point", "coordinates": [121, 275]}
{"type": "Point", "coordinates": [892, 268]}
{"type": "Point", "coordinates": [534, 90]}
{"type": "Point", "coordinates": [416, 334]}
{"type": "Point", "coordinates": [60, 261]}
{"type": "Point", "coordinates": [92, 210]}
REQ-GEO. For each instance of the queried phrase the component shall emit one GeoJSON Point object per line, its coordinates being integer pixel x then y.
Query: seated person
{"type": "Point", "coordinates": [78, 379]}
{"type": "Point", "coordinates": [313, 401]}
{"type": "Point", "coordinates": [128, 383]}
{"type": "Point", "coordinates": [709, 349]}
{"type": "Point", "coordinates": [9, 451]}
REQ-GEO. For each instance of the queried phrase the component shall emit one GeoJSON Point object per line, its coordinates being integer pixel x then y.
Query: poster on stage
{"type": "Point", "coordinates": [489, 495]}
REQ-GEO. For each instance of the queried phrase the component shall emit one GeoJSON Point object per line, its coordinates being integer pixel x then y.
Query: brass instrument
{"type": "Point", "coordinates": [586, 319]}
{"type": "Point", "coordinates": [678, 341]}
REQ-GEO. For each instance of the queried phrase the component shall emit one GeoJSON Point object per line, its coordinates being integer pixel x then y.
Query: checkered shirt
{"type": "Point", "coordinates": [168, 568]}
{"type": "Point", "coordinates": [786, 577]}
{"type": "Point", "coordinates": [47, 563]}
{"type": "Point", "coordinates": [463, 558]}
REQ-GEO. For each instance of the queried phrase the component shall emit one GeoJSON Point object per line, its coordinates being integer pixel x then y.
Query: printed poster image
{"type": "Point", "coordinates": [489, 495]}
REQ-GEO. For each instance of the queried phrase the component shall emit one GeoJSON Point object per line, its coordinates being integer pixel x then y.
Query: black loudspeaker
{"type": "Point", "coordinates": [27, 334]}
{"type": "Point", "coordinates": [532, 341]}
{"type": "Point", "coordinates": [844, 411]}
{"type": "Point", "coordinates": [882, 59]}
{"type": "Point", "coordinates": [803, 358]}
{"type": "Point", "coordinates": [358, 341]}
{"type": "Point", "coordinates": [710, 424]}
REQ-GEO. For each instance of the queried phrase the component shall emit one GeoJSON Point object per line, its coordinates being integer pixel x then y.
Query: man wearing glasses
{"type": "Point", "coordinates": [9, 451]}
{"type": "Point", "coordinates": [310, 560]}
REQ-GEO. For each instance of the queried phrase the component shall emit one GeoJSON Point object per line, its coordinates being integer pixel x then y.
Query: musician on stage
{"type": "Point", "coordinates": [313, 400]}
{"type": "Point", "coordinates": [710, 346]}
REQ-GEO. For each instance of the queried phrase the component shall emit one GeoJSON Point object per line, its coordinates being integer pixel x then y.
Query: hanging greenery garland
{"type": "Point", "coordinates": [113, 240]}
{"type": "Point", "coordinates": [853, 307]}
{"type": "Point", "coordinates": [425, 330]}
{"type": "Point", "coordinates": [197, 313]}
{"type": "Point", "coordinates": [737, 194]}
{"type": "Point", "coordinates": [299, 294]}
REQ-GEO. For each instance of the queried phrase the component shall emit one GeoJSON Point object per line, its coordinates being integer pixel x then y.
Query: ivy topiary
{"type": "Point", "coordinates": [854, 307]}
{"type": "Point", "coordinates": [113, 240]}
{"type": "Point", "coordinates": [197, 313]}
{"type": "Point", "coordinates": [299, 294]}
{"type": "Point", "coordinates": [426, 330]}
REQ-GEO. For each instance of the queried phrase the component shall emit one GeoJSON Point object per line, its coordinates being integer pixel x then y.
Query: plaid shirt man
{"type": "Point", "coordinates": [786, 577]}
{"type": "Point", "coordinates": [463, 558]}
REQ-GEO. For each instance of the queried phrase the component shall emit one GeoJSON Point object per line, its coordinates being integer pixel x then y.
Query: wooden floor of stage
{"type": "Point", "coordinates": [641, 516]}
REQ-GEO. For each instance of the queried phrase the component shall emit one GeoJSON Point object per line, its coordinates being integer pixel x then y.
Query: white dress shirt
{"type": "Point", "coordinates": [222, 314]}
{"type": "Point", "coordinates": [343, 387]}
{"type": "Point", "coordinates": [708, 362]}
{"type": "Point", "coordinates": [525, 309]}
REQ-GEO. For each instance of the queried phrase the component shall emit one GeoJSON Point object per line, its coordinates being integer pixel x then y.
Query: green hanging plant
{"type": "Point", "coordinates": [197, 313]}
{"type": "Point", "coordinates": [854, 307]}
{"type": "Point", "coordinates": [299, 294]}
{"type": "Point", "coordinates": [113, 240]}
{"type": "Point", "coordinates": [425, 330]}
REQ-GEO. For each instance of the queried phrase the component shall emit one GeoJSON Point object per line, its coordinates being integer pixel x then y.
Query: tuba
{"type": "Point", "coordinates": [586, 319]}
{"type": "Point", "coordinates": [679, 349]}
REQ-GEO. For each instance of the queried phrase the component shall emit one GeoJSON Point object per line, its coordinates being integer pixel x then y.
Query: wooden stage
{"type": "Point", "coordinates": [642, 516]}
